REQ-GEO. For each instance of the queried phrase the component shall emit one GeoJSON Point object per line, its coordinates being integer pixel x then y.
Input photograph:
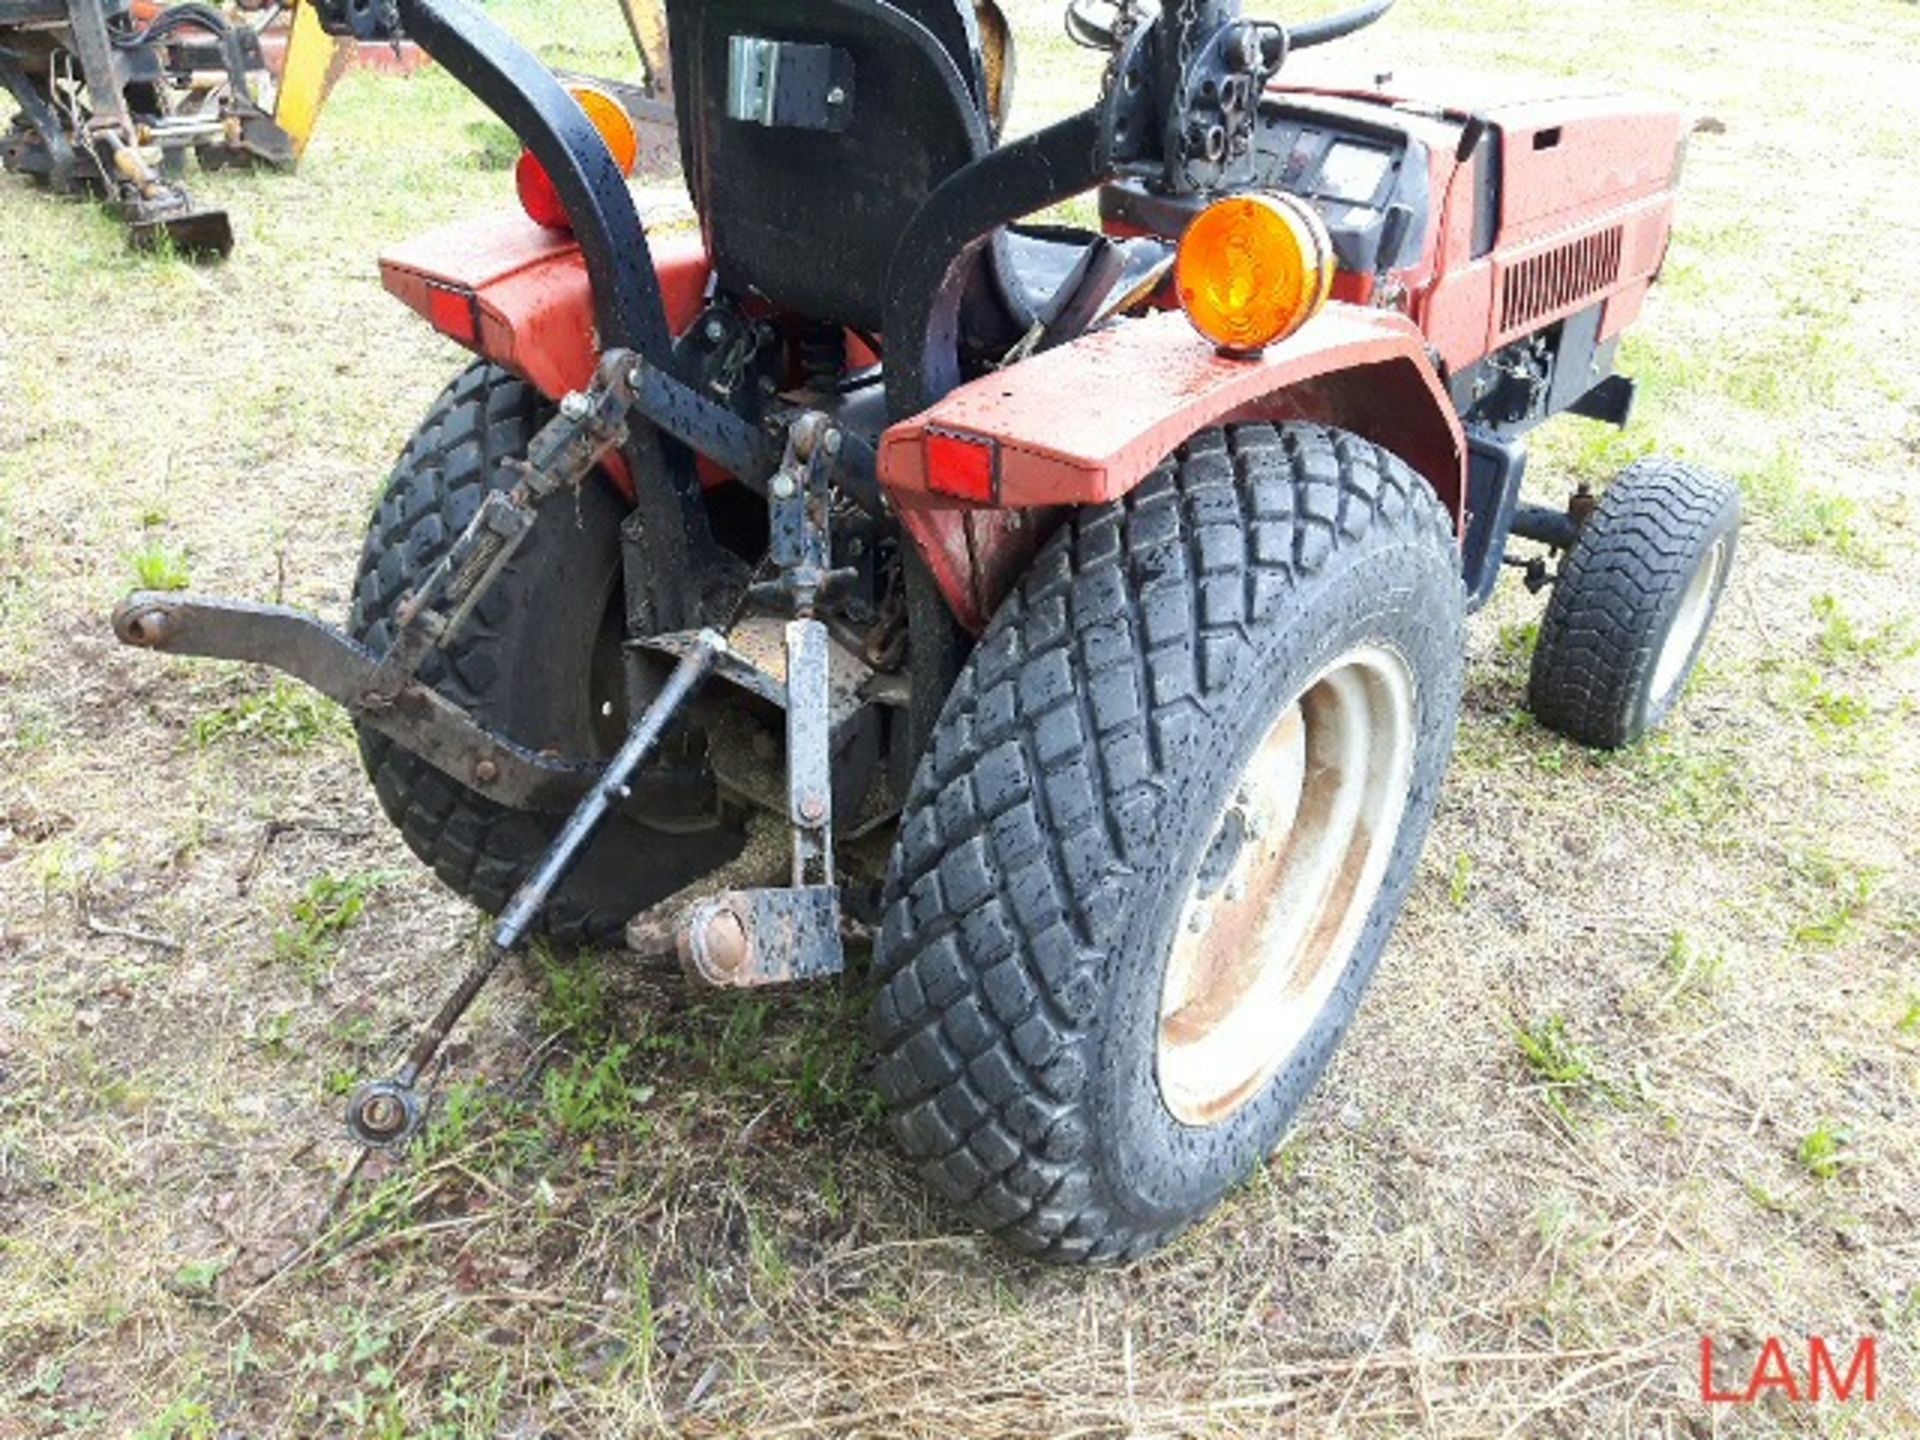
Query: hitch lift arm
{"type": "Point", "coordinates": [388, 1112]}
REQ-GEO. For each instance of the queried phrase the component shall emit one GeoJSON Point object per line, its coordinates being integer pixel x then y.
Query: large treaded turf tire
{"type": "Point", "coordinates": [1063, 808]}
{"type": "Point", "coordinates": [1619, 595]}
{"type": "Point", "coordinates": [537, 661]}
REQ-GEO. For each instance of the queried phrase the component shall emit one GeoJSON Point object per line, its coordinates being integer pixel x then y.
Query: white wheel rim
{"type": "Point", "coordinates": [1696, 606]}
{"type": "Point", "coordinates": [1293, 867]}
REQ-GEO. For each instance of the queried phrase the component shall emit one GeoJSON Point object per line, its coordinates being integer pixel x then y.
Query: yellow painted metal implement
{"type": "Point", "coordinates": [314, 64]}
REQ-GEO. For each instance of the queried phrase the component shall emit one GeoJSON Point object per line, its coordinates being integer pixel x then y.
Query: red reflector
{"type": "Point", "coordinates": [454, 313]}
{"type": "Point", "coordinates": [962, 465]}
{"type": "Point", "coordinates": [539, 197]}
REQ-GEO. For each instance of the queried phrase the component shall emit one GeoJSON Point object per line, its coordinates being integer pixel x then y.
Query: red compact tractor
{"type": "Point", "coordinates": [1081, 610]}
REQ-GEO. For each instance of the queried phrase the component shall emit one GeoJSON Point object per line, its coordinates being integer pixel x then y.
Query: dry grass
{"type": "Point", "coordinates": [646, 1210]}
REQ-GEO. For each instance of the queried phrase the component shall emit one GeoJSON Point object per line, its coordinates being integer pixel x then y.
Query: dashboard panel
{"type": "Point", "coordinates": [1369, 183]}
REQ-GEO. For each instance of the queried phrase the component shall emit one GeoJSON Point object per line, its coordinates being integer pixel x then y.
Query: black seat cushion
{"type": "Point", "coordinates": [1028, 266]}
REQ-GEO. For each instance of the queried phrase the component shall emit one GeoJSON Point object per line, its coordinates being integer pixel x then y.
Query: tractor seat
{"type": "Point", "coordinates": [811, 133]}
{"type": "Point", "coordinates": [1052, 276]}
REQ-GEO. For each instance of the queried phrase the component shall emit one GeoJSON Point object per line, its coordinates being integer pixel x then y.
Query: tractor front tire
{"type": "Point", "coordinates": [1166, 823]}
{"type": "Point", "coordinates": [539, 662]}
{"type": "Point", "coordinates": [1633, 602]}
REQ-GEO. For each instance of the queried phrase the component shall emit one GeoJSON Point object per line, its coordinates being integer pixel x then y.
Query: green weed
{"type": "Point", "coordinates": [1563, 1064]}
{"type": "Point", "coordinates": [1551, 1053]}
{"type": "Point", "coordinates": [1827, 708]}
{"type": "Point", "coordinates": [184, 1418]}
{"type": "Point", "coordinates": [287, 715]}
{"type": "Point", "coordinates": [1803, 516]}
{"type": "Point", "coordinates": [573, 998]}
{"type": "Point", "coordinates": [833, 1201]}
{"type": "Point", "coordinates": [273, 1034]}
{"type": "Point", "coordinates": [158, 566]}
{"type": "Point", "coordinates": [1841, 639]}
{"type": "Point", "coordinates": [195, 1280]}
{"type": "Point", "coordinates": [1765, 1199]}
{"type": "Point", "coordinates": [1824, 1151]}
{"type": "Point", "coordinates": [592, 1094]}
{"type": "Point", "coordinates": [1516, 642]}
{"type": "Point", "coordinates": [1460, 882]}
{"type": "Point", "coordinates": [1693, 781]}
{"type": "Point", "coordinates": [1832, 892]}
{"type": "Point", "coordinates": [771, 1268]}
{"type": "Point", "coordinates": [1691, 971]}
{"type": "Point", "coordinates": [641, 1335]}
{"type": "Point", "coordinates": [66, 868]}
{"type": "Point", "coordinates": [829, 1085]}
{"type": "Point", "coordinates": [741, 1057]}
{"type": "Point", "coordinates": [328, 908]}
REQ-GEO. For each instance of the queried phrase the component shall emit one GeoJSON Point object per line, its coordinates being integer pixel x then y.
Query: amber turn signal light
{"type": "Point", "coordinates": [1252, 269]}
{"type": "Point", "coordinates": [538, 195]}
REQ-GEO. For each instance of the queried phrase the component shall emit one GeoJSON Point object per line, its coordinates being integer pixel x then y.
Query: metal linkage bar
{"type": "Point", "coordinates": [381, 691]}
{"type": "Point", "coordinates": [775, 934]}
{"type": "Point", "coordinates": [389, 1112]}
{"type": "Point", "coordinates": [590, 424]}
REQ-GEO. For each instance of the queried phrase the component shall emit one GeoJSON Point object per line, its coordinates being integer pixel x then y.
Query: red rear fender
{"type": "Point", "coordinates": [518, 295]}
{"type": "Point", "coordinates": [1085, 423]}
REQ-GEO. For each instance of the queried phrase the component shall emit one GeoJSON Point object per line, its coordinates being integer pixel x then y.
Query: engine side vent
{"type": "Point", "coordinates": [1559, 278]}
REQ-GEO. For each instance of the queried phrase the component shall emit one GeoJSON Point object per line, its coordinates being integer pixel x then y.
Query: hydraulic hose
{"type": "Point", "coordinates": [1336, 27]}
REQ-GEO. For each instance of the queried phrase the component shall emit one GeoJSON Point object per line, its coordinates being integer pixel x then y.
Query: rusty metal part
{"type": "Point", "coordinates": [773, 934]}
{"type": "Point", "coordinates": [756, 662]}
{"type": "Point", "coordinates": [762, 860]}
{"type": "Point", "coordinates": [717, 943]}
{"type": "Point", "coordinates": [612, 787]}
{"type": "Point", "coordinates": [588, 426]}
{"type": "Point", "coordinates": [744, 938]}
{"type": "Point", "coordinates": [1287, 881]}
{"type": "Point", "coordinates": [746, 761]}
{"type": "Point", "coordinates": [997, 58]}
{"type": "Point", "coordinates": [417, 718]}
{"type": "Point", "coordinates": [383, 1114]}
{"type": "Point", "coordinates": [885, 644]}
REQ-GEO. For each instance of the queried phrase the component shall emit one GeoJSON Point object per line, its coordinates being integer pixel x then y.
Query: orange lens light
{"type": "Point", "coordinates": [1252, 269]}
{"type": "Point", "coordinates": [539, 197]}
{"type": "Point", "coordinates": [610, 118]}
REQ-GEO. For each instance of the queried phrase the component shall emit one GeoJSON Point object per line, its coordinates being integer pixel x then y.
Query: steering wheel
{"type": "Point", "coordinates": [1092, 23]}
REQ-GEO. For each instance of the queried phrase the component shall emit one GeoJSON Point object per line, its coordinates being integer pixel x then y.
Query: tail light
{"type": "Point", "coordinates": [1252, 269]}
{"type": "Point", "coordinates": [962, 465]}
{"type": "Point", "coordinates": [538, 195]}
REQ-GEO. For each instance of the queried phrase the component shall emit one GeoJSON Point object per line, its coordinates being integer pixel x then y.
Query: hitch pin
{"type": "Point", "coordinates": [386, 1113]}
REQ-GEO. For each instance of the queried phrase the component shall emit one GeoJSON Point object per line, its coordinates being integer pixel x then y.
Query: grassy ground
{"type": "Point", "coordinates": [1643, 1063]}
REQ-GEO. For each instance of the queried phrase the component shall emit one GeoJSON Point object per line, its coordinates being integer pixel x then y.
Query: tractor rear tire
{"type": "Point", "coordinates": [1633, 603]}
{"type": "Point", "coordinates": [538, 662]}
{"type": "Point", "coordinates": [1165, 826]}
